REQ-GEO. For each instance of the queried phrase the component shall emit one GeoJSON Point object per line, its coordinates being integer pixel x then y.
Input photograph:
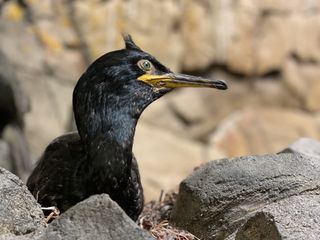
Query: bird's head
{"type": "Point", "coordinates": [127, 81]}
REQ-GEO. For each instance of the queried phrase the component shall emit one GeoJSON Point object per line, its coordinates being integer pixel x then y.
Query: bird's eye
{"type": "Point", "coordinates": [145, 65]}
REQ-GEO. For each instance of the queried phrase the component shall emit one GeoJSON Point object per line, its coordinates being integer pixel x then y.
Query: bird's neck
{"type": "Point", "coordinates": [106, 122]}
{"type": "Point", "coordinates": [107, 135]}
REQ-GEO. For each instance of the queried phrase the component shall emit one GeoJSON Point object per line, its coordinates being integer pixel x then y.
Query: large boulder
{"type": "Point", "coordinates": [296, 217]}
{"type": "Point", "coordinates": [305, 146]}
{"type": "Point", "coordinates": [97, 217]}
{"type": "Point", "coordinates": [220, 196]}
{"type": "Point", "coordinates": [19, 212]}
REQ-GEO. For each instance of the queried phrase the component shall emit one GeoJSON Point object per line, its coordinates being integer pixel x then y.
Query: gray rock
{"type": "Point", "coordinates": [305, 146]}
{"type": "Point", "coordinates": [217, 198]}
{"type": "Point", "coordinates": [30, 236]}
{"type": "Point", "coordinates": [19, 212]}
{"type": "Point", "coordinates": [14, 103]}
{"type": "Point", "coordinates": [97, 217]}
{"type": "Point", "coordinates": [43, 82]}
{"type": "Point", "coordinates": [5, 158]}
{"type": "Point", "coordinates": [19, 162]}
{"type": "Point", "coordinates": [297, 217]}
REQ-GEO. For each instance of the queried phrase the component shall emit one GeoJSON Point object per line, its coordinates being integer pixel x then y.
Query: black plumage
{"type": "Point", "coordinates": [107, 101]}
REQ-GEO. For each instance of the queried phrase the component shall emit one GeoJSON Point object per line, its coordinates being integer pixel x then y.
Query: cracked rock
{"type": "Point", "coordinates": [220, 196]}
{"type": "Point", "coordinates": [297, 217]}
{"type": "Point", "coordinates": [19, 212]}
{"type": "Point", "coordinates": [97, 217]}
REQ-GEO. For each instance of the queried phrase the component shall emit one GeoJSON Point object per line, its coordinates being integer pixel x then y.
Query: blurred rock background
{"type": "Point", "coordinates": [268, 52]}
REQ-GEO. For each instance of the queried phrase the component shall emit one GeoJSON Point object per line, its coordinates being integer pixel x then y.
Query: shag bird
{"type": "Point", "coordinates": [107, 101]}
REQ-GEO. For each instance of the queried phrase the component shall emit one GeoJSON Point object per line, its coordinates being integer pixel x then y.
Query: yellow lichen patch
{"type": "Point", "coordinates": [50, 42]}
{"type": "Point", "coordinates": [13, 12]}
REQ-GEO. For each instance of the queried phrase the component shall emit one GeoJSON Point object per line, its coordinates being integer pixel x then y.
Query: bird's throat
{"type": "Point", "coordinates": [106, 124]}
{"type": "Point", "coordinates": [109, 151]}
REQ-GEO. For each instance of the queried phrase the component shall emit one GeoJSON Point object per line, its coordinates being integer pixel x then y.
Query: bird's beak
{"type": "Point", "coordinates": [175, 80]}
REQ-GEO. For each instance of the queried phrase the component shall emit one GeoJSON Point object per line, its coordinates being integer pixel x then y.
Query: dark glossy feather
{"type": "Point", "coordinates": [63, 178]}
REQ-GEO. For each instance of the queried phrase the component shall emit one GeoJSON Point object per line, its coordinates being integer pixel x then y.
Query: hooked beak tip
{"type": "Point", "coordinates": [221, 85]}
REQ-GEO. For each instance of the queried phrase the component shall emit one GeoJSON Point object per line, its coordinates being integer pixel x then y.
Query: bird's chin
{"type": "Point", "coordinates": [161, 91]}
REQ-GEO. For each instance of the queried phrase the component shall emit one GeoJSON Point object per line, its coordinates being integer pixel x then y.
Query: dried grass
{"type": "Point", "coordinates": [155, 219]}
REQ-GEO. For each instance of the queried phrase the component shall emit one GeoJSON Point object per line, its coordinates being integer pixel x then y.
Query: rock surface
{"type": "Point", "coordinates": [5, 159]}
{"type": "Point", "coordinates": [216, 199]}
{"type": "Point", "coordinates": [249, 37]}
{"type": "Point", "coordinates": [305, 146]}
{"type": "Point", "coordinates": [97, 217]}
{"type": "Point", "coordinates": [308, 89]}
{"type": "Point", "coordinates": [14, 104]}
{"type": "Point", "coordinates": [261, 131]}
{"type": "Point", "coordinates": [37, 79]}
{"type": "Point", "coordinates": [19, 161]}
{"type": "Point", "coordinates": [295, 217]}
{"type": "Point", "coordinates": [20, 214]}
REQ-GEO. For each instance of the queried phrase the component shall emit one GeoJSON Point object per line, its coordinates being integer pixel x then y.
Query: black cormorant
{"type": "Point", "coordinates": [107, 101]}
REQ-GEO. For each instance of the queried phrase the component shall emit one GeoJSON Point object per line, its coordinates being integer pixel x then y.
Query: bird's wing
{"type": "Point", "coordinates": [52, 181]}
{"type": "Point", "coordinates": [135, 192]}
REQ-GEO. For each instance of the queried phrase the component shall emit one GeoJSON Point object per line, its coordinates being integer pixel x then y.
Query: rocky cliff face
{"type": "Point", "coordinates": [265, 197]}
{"type": "Point", "coordinates": [268, 52]}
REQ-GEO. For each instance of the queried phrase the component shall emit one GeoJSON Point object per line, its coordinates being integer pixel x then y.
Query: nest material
{"type": "Point", "coordinates": [155, 219]}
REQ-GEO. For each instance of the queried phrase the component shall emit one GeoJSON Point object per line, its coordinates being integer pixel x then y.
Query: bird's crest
{"type": "Point", "coordinates": [129, 42]}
